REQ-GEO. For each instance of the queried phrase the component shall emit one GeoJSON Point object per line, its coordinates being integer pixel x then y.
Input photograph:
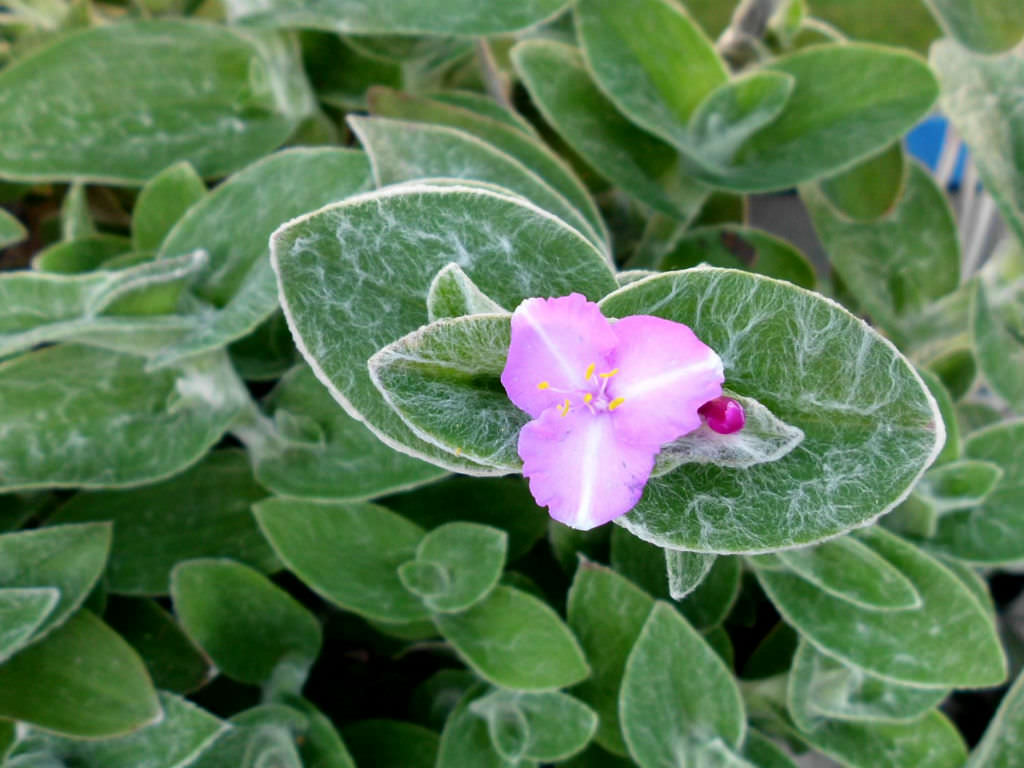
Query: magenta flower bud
{"type": "Point", "coordinates": [723, 415]}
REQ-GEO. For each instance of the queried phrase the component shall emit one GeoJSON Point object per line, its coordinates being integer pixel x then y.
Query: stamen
{"type": "Point", "coordinates": [616, 403]}
{"type": "Point", "coordinates": [565, 408]}
{"type": "Point", "coordinates": [587, 398]}
{"type": "Point", "coordinates": [544, 385]}
{"type": "Point", "coordinates": [610, 373]}
{"type": "Point", "coordinates": [590, 371]}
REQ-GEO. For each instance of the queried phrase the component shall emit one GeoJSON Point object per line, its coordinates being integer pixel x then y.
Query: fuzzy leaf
{"type": "Point", "coordinates": [556, 726]}
{"type": "Point", "coordinates": [817, 368]}
{"type": "Point", "coordinates": [686, 571]}
{"type": "Point", "coordinates": [1000, 746]}
{"type": "Point", "coordinates": [11, 230]}
{"type": "Point", "coordinates": [453, 294]}
{"type": "Point", "coordinates": [987, 26]}
{"type": "Point", "coordinates": [162, 202]}
{"type": "Point", "coordinates": [999, 352]}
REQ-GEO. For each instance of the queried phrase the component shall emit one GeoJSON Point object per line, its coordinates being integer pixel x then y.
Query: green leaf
{"type": "Point", "coordinates": [821, 687]}
{"type": "Point", "coordinates": [606, 613]}
{"type": "Point", "coordinates": [233, 224]}
{"type": "Point", "coordinates": [871, 188]}
{"type": "Point", "coordinates": [68, 559]}
{"type": "Point", "coordinates": [500, 502]}
{"type": "Point", "coordinates": [951, 450]}
{"type": "Point", "coordinates": [987, 26]}
{"type": "Point", "coordinates": [162, 92]}
{"type": "Point", "coordinates": [852, 571]}
{"type": "Point", "coordinates": [763, 438]}
{"type": "Point", "coordinates": [329, 289]}
{"type": "Point", "coordinates": [244, 623]}
{"type": "Point", "coordinates": [959, 485]}
{"type": "Point", "coordinates": [1000, 746]}
{"type": "Point", "coordinates": [173, 661]}
{"type": "Point", "coordinates": [627, 156]}
{"type": "Point", "coordinates": [40, 307]}
{"type": "Point", "coordinates": [469, 559]}
{"type": "Point", "coordinates": [817, 368]}
{"type": "Point", "coordinates": [740, 247]}
{"type": "Point", "coordinates": [82, 680]}
{"type": "Point", "coordinates": [83, 255]}
{"type": "Point", "coordinates": [465, 740]}
{"type": "Point", "coordinates": [686, 571]}
{"type": "Point", "coordinates": [349, 554]}
{"type": "Point", "coordinates": [312, 448]}
{"type": "Point", "coordinates": [499, 130]}
{"type": "Point", "coordinates": [876, 640]}
{"type": "Point", "coordinates": [929, 742]}
{"type": "Point", "coordinates": [482, 105]}
{"type": "Point", "coordinates": [182, 734]}
{"type": "Point", "coordinates": [736, 110]}
{"type": "Point", "coordinates": [677, 695]}
{"type": "Point", "coordinates": [896, 265]}
{"type": "Point", "coordinates": [320, 745]}
{"type": "Point", "coordinates": [557, 726]}
{"type": "Point", "coordinates": [652, 60]}
{"type": "Point", "coordinates": [990, 534]}
{"type": "Point", "coordinates": [407, 151]}
{"type": "Point", "coordinates": [443, 380]}
{"type": "Point", "coordinates": [262, 737]}
{"type": "Point", "coordinates": [515, 641]}
{"type": "Point", "coordinates": [453, 294]}
{"type": "Point", "coordinates": [203, 512]}
{"type": "Point", "coordinates": [707, 606]}
{"type": "Point", "coordinates": [764, 753]}
{"type": "Point", "coordinates": [162, 202]}
{"type": "Point", "coordinates": [75, 217]}
{"type": "Point", "coordinates": [999, 352]}
{"type": "Point", "coordinates": [391, 744]}
{"type": "Point", "coordinates": [979, 96]}
{"type": "Point", "coordinates": [22, 612]}
{"type": "Point", "coordinates": [405, 17]}
{"type": "Point", "coordinates": [11, 230]}
{"type": "Point", "coordinates": [851, 100]}
{"type": "Point", "coordinates": [117, 425]}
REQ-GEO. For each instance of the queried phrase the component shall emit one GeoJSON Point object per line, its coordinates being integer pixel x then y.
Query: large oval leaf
{"type": "Point", "coordinates": [870, 425]}
{"type": "Point", "coordinates": [354, 277]}
{"type": "Point", "coordinates": [162, 91]}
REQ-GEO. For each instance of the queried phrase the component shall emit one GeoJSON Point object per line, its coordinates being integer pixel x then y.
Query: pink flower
{"type": "Point", "coordinates": [604, 397]}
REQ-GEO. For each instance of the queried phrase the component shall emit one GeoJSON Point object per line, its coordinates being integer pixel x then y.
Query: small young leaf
{"type": "Point", "coordinates": [515, 641]}
{"type": "Point", "coordinates": [686, 571]}
{"type": "Point", "coordinates": [66, 558]}
{"type": "Point", "coordinates": [162, 202]}
{"type": "Point", "coordinates": [606, 612]}
{"type": "Point", "coordinates": [203, 512]}
{"type": "Point", "coordinates": [959, 485]}
{"type": "Point", "coordinates": [676, 694]}
{"type": "Point", "coordinates": [22, 612]}
{"type": "Point", "coordinates": [11, 230]}
{"type": "Point", "coordinates": [557, 726]}
{"type": "Point", "coordinates": [707, 606]}
{"type": "Point", "coordinates": [245, 624]}
{"type": "Point", "coordinates": [349, 553]}
{"type": "Point", "coordinates": [453, 294]}
{"type": "Point", "coordinates": [75, 218]}
{"type": "Point", "coordinates": [999, 352]}
{"type": "Point", "coordinates": [82, 681]}
{"type": "Point", "coordinates": [469, 556]}
{"type": "Point", "coordinates": [465, 740]}
{"type": "Point", "coordinates": [874, 640]}
{"type": "Point", "coordinates": [870, 189]}
{"type": "Point", "coordinates": [1000, 746]}
{"type": "Point", "coordinates": [822, 687]}
{"type": "Point", "coordinates": [391, 744]}
{"type": "Point", "coordinates": [182, 734]}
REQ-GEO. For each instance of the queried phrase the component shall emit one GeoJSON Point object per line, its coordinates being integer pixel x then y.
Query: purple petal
{"type": "Point", "coordinates": [580, 470]}
{"type": "Point", "coordinates": [665, 374]}
{"type": "Point", "coordinates": [554, 342]}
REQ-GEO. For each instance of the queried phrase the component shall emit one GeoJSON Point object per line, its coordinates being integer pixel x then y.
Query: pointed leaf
{"type": "Point", "coordinates": [1000, 353]}
{"type": "Point", "coordinates": [162, 202]}
{"type": "Point", "coordinates": [453, 294]}
{"type": "Point", "coordinates": [686, 571]}
{"type": "Point", "coordinates": [11, 230]}
{"type": "Point", "coordinates": [1000, 746]}
{"type": "Point", "coordinates": [557, 726]}
{"type": "Point", "coordinates": [22, 612]}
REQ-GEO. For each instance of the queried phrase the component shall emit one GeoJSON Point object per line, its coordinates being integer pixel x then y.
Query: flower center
{"type": "Point", "coordinates": [593, 395]}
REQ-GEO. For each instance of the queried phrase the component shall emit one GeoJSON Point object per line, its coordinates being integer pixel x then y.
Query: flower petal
{"type": "Point", "coordinates": [665, 373]}
{"type": "Point", "coordinates": [554, 341]}
{"type": "Point", "coordinates": [578, 468]}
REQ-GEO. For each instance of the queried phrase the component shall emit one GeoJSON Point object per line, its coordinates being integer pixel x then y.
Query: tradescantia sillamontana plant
{"type": "Point", "coordinates": [403, 384]}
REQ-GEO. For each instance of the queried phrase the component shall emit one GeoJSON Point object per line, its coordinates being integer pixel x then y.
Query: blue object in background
{"type": "Point", "coordinates": [925, 143]}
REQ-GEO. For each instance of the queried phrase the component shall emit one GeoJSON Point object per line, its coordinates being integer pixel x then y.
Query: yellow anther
{"type": "Point", "coordinates": [590, 371]}
{"type": "Point", "coordinates": [616, 403]}
{"type": "Point", "coordinates": [587, 398]}
{"type": "Point", "coordinates": [610, 373]}
{"type": "Point", "coordinates": [543, 385]}
{"type": "Point", "coordinates": [565, 407]}
{"type": "Point", "coordinates": [458, 451]}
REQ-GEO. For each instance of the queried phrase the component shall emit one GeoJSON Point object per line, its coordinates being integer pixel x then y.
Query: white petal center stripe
{"type": "Point", "coordinates": [590, 464]}
{"type": "Point", "coordinates": [711, 363]}
{"type": "Point", "coordinates": [567, 366]}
